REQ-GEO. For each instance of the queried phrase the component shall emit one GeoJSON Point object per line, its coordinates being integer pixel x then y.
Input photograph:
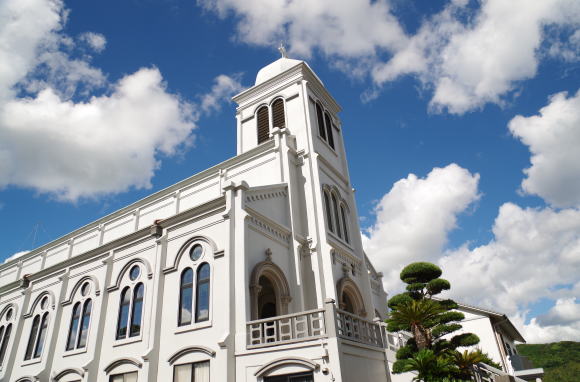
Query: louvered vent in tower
{"type": "Point", "coordinates": [263, 128]}
{"type": "Point", "coordinates": [278, 119]}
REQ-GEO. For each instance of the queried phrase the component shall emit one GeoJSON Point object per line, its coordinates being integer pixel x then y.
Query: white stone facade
{"type": "Point", "coordinates": [278, 283]}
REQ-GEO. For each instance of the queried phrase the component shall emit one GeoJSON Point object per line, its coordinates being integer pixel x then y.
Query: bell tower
{"type": "Point", "coordinates": [289, 103]}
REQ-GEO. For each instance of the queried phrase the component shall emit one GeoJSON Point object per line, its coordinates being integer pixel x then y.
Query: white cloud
{"type": "Point", "coordinates": [561, 323]}
{"type": "Point", "coordinates": [553, 137]}
{"type": "Point", "coordinates": [16, 255]}
{"type": "Point", "coordinates": [223, 89]}
{"type": "Point", "coordinates": [346, 28]}
{"type": "Point", "coordinates": [95, 40]}
{"type": "Point", "coordinates": [102, 144]}
{"type": "Point", "coordinates": [533, 252]}
{"type": "Point", "coordinates": [414, 218]}
{"type": "Point", "coordinates": [469, 54]}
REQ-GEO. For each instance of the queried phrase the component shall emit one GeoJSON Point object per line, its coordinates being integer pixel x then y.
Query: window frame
{"type": "Point", "coordinates": [185, 262]}
{"type": "Point", "coordinates": [6, 331]}
{"type": "Point", "coordinates": [38, 335]}
{"type": "Point", "coordinates": [192, 377]}
{"type": "Point", "coordinates": [131, 286]}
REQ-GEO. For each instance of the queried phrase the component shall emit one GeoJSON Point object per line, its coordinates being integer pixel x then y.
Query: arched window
{"type": "Point", "coordinates": [320, 120]}
{"type": "Point", "coordinates": [124, 306]}
{"type": "Point", "coordinates": [186, 297]}
{"type": "Point", "coordinates": [328, 212]}
{"type": "Point", "coordinates": [344, 223]}
{"type": "Point", "coordinates": [194, 285]}
{"type": "Point", "coordinates": [336, 220]}
{"type": "Point", "coordinates": [278, 117]}
{"type": "Point", "coordinates": [86, 318]}
{"type": "Point", "coordinates": [263, 124]}
{"type": "Point", "coordinates": [80, 318]}
{"type": "Point", "coordinates": [74, 327]}
{"type": "Point", "coordinates": [131, 306]}
{"type": "Point", "coordinates": [137, 310]}
{"type": "Point", "coordinates": [38, 330]}
{"type": "Point", "coordinates": [41, 336]}
{"type": "Point", "coordinates": [329, 135]}
{"type": "Point", "coordinates": [202, 293]}
{"type": "Point", "coordinates": [5, 331]}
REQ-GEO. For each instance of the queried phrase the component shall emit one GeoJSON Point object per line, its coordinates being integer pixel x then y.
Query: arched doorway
{"type": "Point", "coordinates": [266, 299]}
{"type": "Point", "coordinates": [269, 291]}
{"type": "Point", "coordinates": [350, 298]}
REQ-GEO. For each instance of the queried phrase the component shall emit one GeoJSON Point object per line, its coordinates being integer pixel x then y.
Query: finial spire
{"type": "Point", "coordinates": [282, 50]}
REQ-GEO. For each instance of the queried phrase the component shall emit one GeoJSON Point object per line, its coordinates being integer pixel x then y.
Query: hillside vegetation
{"type": "Point", "coordinates": [560, 360]}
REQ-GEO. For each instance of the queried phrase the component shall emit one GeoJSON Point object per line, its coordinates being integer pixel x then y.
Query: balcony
{"type": "Point", "coordinates": [314, 324]}
{"type": "Point", "coordinates": [287, 329]}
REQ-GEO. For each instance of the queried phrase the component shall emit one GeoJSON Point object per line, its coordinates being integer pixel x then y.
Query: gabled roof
{"type": "Point", "coordinates": [498, 320]}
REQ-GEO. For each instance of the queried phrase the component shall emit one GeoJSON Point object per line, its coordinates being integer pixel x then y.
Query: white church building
{"type": "Point", "coordinates": [250, 271]}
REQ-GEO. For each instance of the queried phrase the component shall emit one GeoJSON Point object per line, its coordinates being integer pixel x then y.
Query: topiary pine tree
{"type": "Point", "coordinates": [428, 319]}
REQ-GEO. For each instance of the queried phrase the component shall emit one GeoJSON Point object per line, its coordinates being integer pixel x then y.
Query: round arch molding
{"type": "Point", "coordinates": [278, 363]}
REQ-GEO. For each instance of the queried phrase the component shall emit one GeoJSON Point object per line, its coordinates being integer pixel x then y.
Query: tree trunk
{"type": "Point", "coordinates": [421, 337]}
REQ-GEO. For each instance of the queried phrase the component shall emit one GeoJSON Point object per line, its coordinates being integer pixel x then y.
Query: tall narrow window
{"type": "Point", "coordinates": [263, 125]}
{"type": "Point", "coordinates": [74, 327]}
{"type": "Point", "coordinates": [4, 338]}
{"type": "Point", "coordinates": [126, 377]}
{"type": "Point", "coordinates": [191, 372]}
{"type": "Point", "coordinates": [278, 118]}
{"type": "Point", "coordinates": [32, 337]}
{"type": "Point", "coordinates": [124, 306]}
{"type": "Point", "coordinates": [186, 297]}
{"type": "Point", "coordinates": [202, 293]}
{"type": "Point", "coordinates": [328, 212]}
{"type": "Point", "coordinates": [335, 210]}
{"type": "Point", "coordinates": [320, 120]}
{"type": "Point", "coordinates": [41, 336]}
{"type": "Point", "coordinates": [86, 318]}
{"type": "Point", "coordinates": [329, 130]}
{"type": "Point", "coordinates": [344, 224]}
{"type": "Point", "coordinates": [137, 310]}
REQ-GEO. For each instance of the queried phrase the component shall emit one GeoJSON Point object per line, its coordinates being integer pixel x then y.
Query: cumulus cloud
{"type": "Point", "coordinates": [561, 322]}
{"type": "Point", "coordinates": [533, 254]}
{"type": "Point", "coordinates": [96, 144]}
{"type": "Point", "coordinates": [414, 218]}
{"type": "Point", "coordinates": [223, 89]}
{"type": "Point", "coordinates": [346, 28]}
{"type": "Point", "coordinates": [533, 251]}
{"type": "Point", "coordinates": [469, 54]}
{"type": "Point", "coordinates": [553, 138]}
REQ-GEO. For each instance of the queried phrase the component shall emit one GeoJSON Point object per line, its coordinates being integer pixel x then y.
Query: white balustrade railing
{"type": "Point", "coordinates": [486, 373]}
{"type": "Point", "coordinates": [355, 328]}
{"type": "Point", "coordinates": [286, 329]}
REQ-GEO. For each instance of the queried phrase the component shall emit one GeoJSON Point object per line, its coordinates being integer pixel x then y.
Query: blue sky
{"type": "Point", "coordinates": [459, 93]}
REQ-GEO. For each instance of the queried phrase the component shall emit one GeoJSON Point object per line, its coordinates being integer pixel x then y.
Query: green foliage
{"type": "Point", "coordinates": [429, 366]}
{"type": "Point", "coordinates": [398, 299]}
{"type": "Point", "coordinates": [444, 329]}
{"type": "Point", "coordinates": [560, 360]}
{"type": "Point", "coordinates": [406, 351]}
{"type": "Point", "coordinates": [436, 286]}
{"type": "Point", "coordinates": [420, 273]}
{"type": "Point", "coordinates": [466, 339]}
{"type": "Point", "coordinates": [450, 316]}
{"type": "Point", "coordinates": [434, 358]}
